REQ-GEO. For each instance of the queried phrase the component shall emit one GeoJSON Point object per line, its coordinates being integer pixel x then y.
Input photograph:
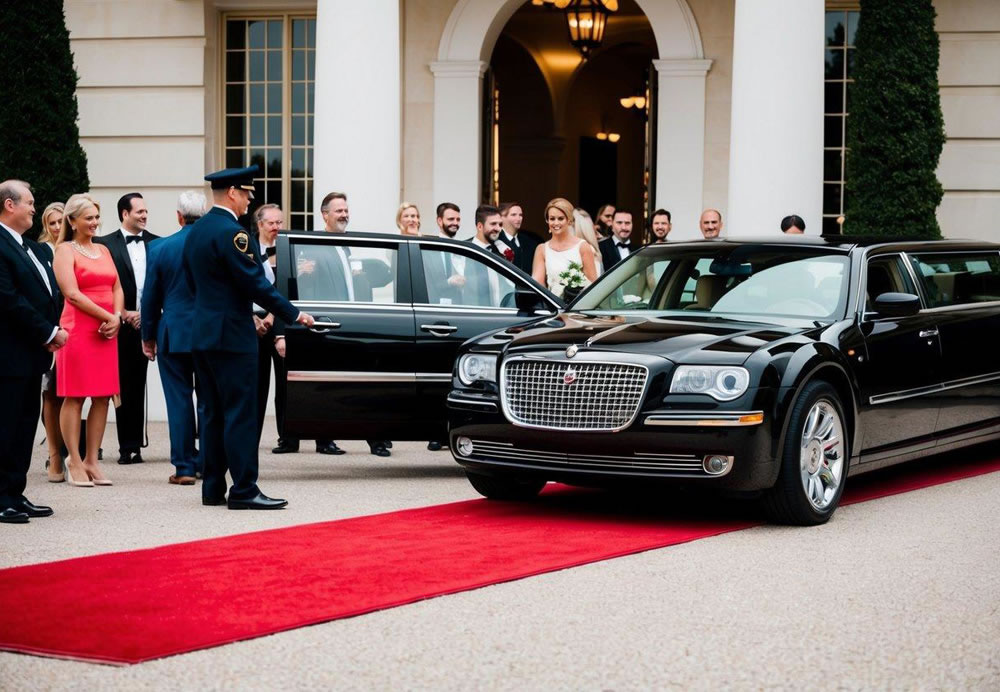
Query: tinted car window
{"type": "Point", "coordinates": [345, 273]}
{"type": "Point", "coordinates": [748, 280]}
{"type": "Point", "coordinates": [958, 278]}
{"type": "Point", "coordinates": [886, 275]}
{"type": "Point", "coordinates": [456, 279]}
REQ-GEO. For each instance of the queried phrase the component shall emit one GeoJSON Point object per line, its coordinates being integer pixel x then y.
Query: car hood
{"type": "Point", "coordinates": [694, 340]}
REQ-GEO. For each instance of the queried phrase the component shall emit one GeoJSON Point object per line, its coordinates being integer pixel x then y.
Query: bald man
{"type": "Point", "coordinates": [710, 223]}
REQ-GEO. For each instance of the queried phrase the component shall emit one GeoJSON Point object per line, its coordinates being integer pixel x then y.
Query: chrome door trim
{"type": "Point", "coordinates": [931, 389]}
{"type": "Point", "coordinates": [359, 376]}
{"type": "Point", "coordinates": [346, 305]}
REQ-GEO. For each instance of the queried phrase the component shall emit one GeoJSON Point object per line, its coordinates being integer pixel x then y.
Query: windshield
{"type": "Point", "coordinates": [726, 280]}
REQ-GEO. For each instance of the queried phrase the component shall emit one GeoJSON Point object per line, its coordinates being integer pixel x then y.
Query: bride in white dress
{"type": "Point", "coordinates": [555, 255]}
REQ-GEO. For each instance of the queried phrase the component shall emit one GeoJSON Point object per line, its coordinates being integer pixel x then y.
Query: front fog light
{"type": "Point", "coordinates": [464, 446]}
{"type": "Point", "coordinates": [716, 464]}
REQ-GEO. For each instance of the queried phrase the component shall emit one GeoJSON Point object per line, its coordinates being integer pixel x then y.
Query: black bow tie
{"type": "Point", "coordinates": [133, 239]}
{"type": "Point", "coordinates": [271, 251]}
{"type": "Point", "coordinates": [622, 245]}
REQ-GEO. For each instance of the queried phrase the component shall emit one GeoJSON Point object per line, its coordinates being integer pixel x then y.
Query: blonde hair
{"type": "Point", "coordinates": [563, 205]}
{"type": "Point", "coordinates": [399, 215]}
{"type": "Point", "coordinates": [46, 235]}
{"type": "Point", "coordinates": [75, 206]}
{"type": "Point", "coordinates": [583, 226]}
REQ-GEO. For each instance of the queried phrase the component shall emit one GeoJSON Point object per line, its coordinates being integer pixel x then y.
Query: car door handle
{"type": "Point", "coordinates": [323, 327]}
{"type": "Point", "coordinates": [439, 329]}
{"type": "Point", "coordinates": [924, 333]}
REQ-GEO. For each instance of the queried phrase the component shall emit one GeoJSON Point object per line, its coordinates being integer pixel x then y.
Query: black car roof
{"type": "Point", "coordinates": [848, 243]}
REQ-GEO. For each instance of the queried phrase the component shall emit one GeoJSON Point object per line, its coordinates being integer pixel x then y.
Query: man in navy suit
{"type": "Point", "coordinates": [29, 311]}
{"type": "Point", "coordinates": [523, 244]}
{"type": "Point", "coordinates": [167, 311]}
{"type": "Point", "coordinates": [224, 272]}
{"type": "Point", "coordinates": [128, 247]}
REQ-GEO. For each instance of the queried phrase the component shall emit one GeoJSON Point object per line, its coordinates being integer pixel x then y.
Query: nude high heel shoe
{"type": "Point", "coordinates": [80, 484]}
{"type": "Point", "coordinates": [97, 481]}
{"type": "Point", "coordinates": [55, 477]}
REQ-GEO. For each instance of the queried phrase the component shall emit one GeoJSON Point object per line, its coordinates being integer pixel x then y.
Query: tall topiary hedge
{"type": "Point", "coordinates": [895, 130]}
{"type": "Point", "coordinates": [39, 138]}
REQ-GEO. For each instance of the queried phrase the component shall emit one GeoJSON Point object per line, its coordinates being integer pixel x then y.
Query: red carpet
{"type": "Point", "coordinates": [246, 586]}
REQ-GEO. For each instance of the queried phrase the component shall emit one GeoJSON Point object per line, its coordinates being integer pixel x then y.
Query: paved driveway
{"type": "Point", "coordinates": [902, 592]}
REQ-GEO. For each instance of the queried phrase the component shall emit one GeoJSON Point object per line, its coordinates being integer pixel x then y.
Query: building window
{"type": "Point", "coordinates": [270, 67]}
{"type": "Point", "coordinates": [841, 25]}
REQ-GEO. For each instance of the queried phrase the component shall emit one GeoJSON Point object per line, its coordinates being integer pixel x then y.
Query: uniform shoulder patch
{"type": "Point", "coordinates": [242, 242]}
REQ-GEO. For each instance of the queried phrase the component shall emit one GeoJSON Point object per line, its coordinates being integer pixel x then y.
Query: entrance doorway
{"type": "Point", "coordinates": [560, 127]}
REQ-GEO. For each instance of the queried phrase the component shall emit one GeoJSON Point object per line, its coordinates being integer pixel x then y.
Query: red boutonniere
{"type": "Point", "coordinates": [508, 254]}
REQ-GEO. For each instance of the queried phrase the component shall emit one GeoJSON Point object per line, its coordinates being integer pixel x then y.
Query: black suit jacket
{"type": "Point", "coordinates": [524, 251]}
{"type": "Point", "coordinates": [609, 252]}
{"type": "Point", "coordinates": [28, 311]}
{"type": "Point", "coordinates": [115, 243]}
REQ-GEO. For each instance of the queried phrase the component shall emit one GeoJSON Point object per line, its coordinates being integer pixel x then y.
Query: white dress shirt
{"type": "Point", "coordinates": [38, 267]}
{"type": "Point", "coordinates": [137, 255]}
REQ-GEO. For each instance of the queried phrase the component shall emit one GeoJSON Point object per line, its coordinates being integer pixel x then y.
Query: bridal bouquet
{"type": "Point", "coordinates": [572, 280]}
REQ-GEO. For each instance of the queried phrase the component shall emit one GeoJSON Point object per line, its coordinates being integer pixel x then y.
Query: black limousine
{"type": "Point", "coordinates": [777, 367]}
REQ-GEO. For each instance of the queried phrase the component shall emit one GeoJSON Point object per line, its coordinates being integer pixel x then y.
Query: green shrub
{"type": "Point", "coordinates": [39, 138]}
{"type": "Point", "coordinates": [895, 130]}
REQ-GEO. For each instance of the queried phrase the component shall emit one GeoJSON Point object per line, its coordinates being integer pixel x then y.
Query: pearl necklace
{"type": "Point", "coordinates": [76, 246]}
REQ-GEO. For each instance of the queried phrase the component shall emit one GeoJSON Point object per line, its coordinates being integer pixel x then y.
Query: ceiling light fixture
{"type": "Point", "coordinates": [585, 19]}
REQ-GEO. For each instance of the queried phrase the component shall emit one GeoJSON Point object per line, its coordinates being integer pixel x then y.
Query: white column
{"type": "Point", "coordinates": [776, 137]}
{"type": "Point", "coordinates": [458, 105]}
{"type": "Point", "coordinates": [680, 142]}
{"type": "Point", "coordinates": [358, 116]}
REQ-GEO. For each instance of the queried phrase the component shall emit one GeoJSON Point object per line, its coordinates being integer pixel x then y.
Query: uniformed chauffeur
{"type": "Point", "coordinates": [224, 271]}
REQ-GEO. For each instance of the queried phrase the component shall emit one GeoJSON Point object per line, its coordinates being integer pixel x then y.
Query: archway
{"type": "Point", "coordinates": [466, 45]}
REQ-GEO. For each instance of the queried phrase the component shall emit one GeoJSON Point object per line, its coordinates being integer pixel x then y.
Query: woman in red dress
{"type": "Point", "coordinates": [88, 365]}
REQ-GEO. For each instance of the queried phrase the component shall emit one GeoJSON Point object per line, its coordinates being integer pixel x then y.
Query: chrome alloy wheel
{"type": "Point", "coordinates": [821, 457]}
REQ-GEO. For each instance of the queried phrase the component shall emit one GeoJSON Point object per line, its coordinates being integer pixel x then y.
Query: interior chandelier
{"type": "Point", "coordinates": [585, 20]}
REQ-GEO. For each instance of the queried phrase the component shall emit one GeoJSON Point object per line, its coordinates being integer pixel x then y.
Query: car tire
{"type": "Point", "coordinates": [814, 460]}
{"type": "Point", "coordinates": [505, 487]}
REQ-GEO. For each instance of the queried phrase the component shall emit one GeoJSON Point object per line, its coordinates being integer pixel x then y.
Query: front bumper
{"type": "Point", "coordinates": [661, 445]}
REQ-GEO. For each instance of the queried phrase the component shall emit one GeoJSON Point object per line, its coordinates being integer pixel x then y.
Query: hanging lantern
{"type": "Point", "coordinates": [586, 20]}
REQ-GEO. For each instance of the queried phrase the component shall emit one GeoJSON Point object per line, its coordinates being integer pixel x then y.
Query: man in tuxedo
{"type": "Point", "coordinates": [523, 244]}
{"type": "Point", "coordinates": [329, 275]}
{"type": "Point", "coordinates": [128, 247]}
{"type": "Point", "coordinates": [224, 273]}
{"type": "Point", "coordinates": [710, 223]}
{"type": "Point", "coordinates": [167, 310]}
{"type": "Point", "coordinates": [616, 247]}
{"type": "Point", "coordinates": [482, 287]}
{"type": "Point", "coordinates": [30, 306]}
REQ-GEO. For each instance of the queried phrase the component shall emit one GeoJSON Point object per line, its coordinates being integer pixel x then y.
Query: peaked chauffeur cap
{"type": "Point", "coordinates": [241, 178]}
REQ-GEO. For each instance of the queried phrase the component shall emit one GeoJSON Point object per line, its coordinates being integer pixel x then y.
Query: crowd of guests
{"type": "Point", "coordinates": [118, 301]}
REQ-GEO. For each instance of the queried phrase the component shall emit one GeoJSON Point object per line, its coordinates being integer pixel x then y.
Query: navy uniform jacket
{"type": "Point", "coordinates": [223, 272]}
{"type": "Point", "coordinates": [167, 310]}
{"type": "Point", "coordinates": [28, 311]}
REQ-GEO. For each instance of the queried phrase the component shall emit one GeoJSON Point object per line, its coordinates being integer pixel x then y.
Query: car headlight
{"type": "Point", "coordinates": [724, 383]}
{"type": "Point", "coordinates": [477, 367]}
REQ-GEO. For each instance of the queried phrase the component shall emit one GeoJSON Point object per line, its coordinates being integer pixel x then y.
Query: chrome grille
{"type": "Point", "coordinates": [687, 464]}
{"type": "Point", "coordinates": [567, 395]}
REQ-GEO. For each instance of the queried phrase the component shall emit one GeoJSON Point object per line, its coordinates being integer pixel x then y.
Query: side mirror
{"type": "Point", "coordinates": [897, 304]}
{"type": "Point", "coordinates": [528, 301]}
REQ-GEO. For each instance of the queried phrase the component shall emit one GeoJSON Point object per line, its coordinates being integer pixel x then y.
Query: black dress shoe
{"type": "Point", "coordinates": [262, 501]}
{"type": "Point", "coordinates": [380, 450]}
{"type": "Point", "coordinates": [213, 501]}
{"type": "Point", "coordinates": [13, 516]}
{"type": "Point", "coordinates": [285, 447]}
{"type": "Point", "coordinates": [130, 458]}
{"type": "Point", "coordinates": [329, 448]}
{"type": "Point", "coordinates": [387, 444]}
{"type": "Point", "coordinates": [435, 446]}
{"type": "Point", "coordinates": [33, 511]}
